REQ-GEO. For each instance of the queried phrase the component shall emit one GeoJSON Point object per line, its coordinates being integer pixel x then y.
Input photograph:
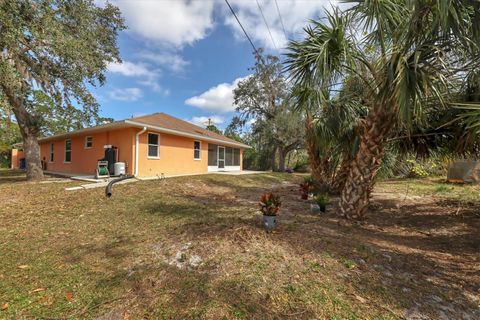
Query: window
{"type": "Point", "coordinates": [153, 145]}
{"type": "Point", "coordinates": [88, 142]}
{"type": "Point", "coordinates": [68, 150]}
{"type": "Point", "coordinates": [236, 157]}
{"type": "Point", "coordinates": [228, 156]}
{"type": "Point", "coordinates": [51, 152]}
{"type": "Point", "coordinates": [212, 154]}
{"type": "Point", "coordinates": [196, 150]}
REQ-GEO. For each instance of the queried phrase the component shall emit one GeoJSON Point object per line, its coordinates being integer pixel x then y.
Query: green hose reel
{"type": "Point", "coordinates": [102, 169]}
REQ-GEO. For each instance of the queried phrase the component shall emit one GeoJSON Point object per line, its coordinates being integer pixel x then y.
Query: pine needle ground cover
{"type": "Point", "coordinates": [194, 248]}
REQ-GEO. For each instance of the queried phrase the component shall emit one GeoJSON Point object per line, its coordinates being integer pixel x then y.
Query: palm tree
{"type": "Point", "coordinates": [333, 136]}
{"type": "Point", "coordinates": [406, 53]}
{"type": "Point", "coordinates": [329, 131]}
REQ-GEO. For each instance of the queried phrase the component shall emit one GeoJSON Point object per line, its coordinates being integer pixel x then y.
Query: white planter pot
{"type": "Point", "coordinates": [269, 222]}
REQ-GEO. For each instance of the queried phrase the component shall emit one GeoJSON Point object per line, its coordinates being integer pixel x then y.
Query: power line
{"type": "Point", "coordinates": [241, 26]}
{"type": "Point", "coordinates": [281, 20]}
{"type": "Point", "coordinates": [266, 24]}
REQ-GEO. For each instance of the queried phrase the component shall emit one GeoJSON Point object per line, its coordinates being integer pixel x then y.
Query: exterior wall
{"type": "Point", "coordinates": [16, 156]}
{"type": "Point", "coordinates": [176, 156]}
{"type": "Point", "coordinates": [83, 160]}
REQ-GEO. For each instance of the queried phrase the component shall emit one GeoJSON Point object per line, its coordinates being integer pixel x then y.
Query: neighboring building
{"type": "Point", "coordinates": [149, 146]}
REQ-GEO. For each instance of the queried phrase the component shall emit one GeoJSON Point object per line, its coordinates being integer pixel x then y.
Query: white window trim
{"type": "Point", "coordinates": [52, 152]}
{"type": "Point", "coordinates": [158, 146]}
{"type": "Point", "coordinates": [85, 144]}
{"type": "Point", "coordinates": [199, 150]}
{"type": "Point", "coordinates": [65, 151]}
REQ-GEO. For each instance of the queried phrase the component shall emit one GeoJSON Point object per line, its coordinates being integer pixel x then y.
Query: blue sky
{"type": "Point", "coordinates": [184, 57]}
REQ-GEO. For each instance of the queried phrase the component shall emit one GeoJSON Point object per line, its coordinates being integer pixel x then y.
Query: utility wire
{"type": "Point", "coordinates": [246, 34]}
{"type": "Point", "coordinates": [266, 24]}
{"type": "Point", "coordinates": [281, 20]}
{"type": "Point", "coordinates": [241, 26]}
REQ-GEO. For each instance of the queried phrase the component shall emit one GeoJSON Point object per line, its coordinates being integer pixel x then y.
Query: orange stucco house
{"type": "Point", "coordinates": [149, 146]}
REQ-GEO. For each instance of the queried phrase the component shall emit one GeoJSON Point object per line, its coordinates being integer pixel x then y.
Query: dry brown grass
{"type": "Point", "coordinates": [93, 256]}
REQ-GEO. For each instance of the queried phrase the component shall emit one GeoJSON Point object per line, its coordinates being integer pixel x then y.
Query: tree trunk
{"type": "Point", "coordinates": [29, 131]}
{"type": "Point", "coordinates": [342, 174]}
{"type": "Point", "coordinates": [373, 132]}
{"type": "Point", "coordinates": [318, 164]}
{"type": "Point", "coordinates": [274, 160]}
{"type": "Point", "coordinates": [282, 155]}
{"type": "Point", "coordinates": [8, 115]}
{"type": "Point", "coordinates": [32, 156]}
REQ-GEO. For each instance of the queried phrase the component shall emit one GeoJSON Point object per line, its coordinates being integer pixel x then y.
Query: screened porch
{"type": "Point", "coordinates": [222, 158]}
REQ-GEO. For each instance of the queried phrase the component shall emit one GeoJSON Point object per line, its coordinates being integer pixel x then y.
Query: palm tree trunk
{"type": "Point", "coordinates": [373, 132]}
{"type": "Point", "coordinates": [29, 132]}
{"type": "Point", "coordinates": [342, 173]}
{"type": "Point", "coordinates": [318, 164]}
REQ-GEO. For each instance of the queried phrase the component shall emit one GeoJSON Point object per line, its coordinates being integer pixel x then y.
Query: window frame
{"type": "Point", "coordinates": [157, 145]}
{"type": "Point", "coordinates": [199, 150]}
{"type": "Point", "coordinates": [86, 141]}
{"type": "Point", "coordinates": [52, 152]}
{"type": "Point", "coordinates": [65, 151]}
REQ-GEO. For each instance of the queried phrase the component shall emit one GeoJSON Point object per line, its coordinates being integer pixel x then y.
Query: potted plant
{"type": "Point", "coordinates": [322, 199]}
{"type": "Point", "coordinates": [307, 187]}
{"type": "Point", "coordinates": [269, 205]}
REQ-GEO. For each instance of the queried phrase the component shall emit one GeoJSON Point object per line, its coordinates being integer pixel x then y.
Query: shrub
{"type": "Point", "coordinates": [269, 204]}
{"type": "Point", "coordinates": [417, 170]}
{"type": "Point", "coordinates": [411, 166]}
{"type": "Point", "coordinates": [322, 199]}
{"type": "Point", "coordinates": [301, 165]}
{"type": "Point", "coordinates": [309, 180]}
{"type": "Point", "coordinates": [307, 186]}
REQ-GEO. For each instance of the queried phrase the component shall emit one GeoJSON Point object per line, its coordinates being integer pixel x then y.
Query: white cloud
{"type": "Point", "coordinates": [217, 99]}
{"type": "Point", "coordinates": [155, 86]}
{"type": "Point", "coordinates": [169, 60]}
{"type": "Point", "coordinates": [147, 76]}
{"type": "Point", "coordinates": [203, 121]}
{"type": "Point", "coordinates": [170, 22]}
{"type": "Point", "coordinates": [131, 69]}
{"type": "Point", "coordinates": [126, 94]}
{"type": "Point", "coordinates": [295, 15]}
{"type": "Point", "coordinates": [176, 23]}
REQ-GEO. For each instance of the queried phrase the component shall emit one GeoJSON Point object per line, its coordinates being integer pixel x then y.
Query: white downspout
{"type": "Point", "coordinates": [137, 141]}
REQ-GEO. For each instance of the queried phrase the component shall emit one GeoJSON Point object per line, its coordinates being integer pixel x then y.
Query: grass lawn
{"type": "Point", "coordinates": [194, 248]}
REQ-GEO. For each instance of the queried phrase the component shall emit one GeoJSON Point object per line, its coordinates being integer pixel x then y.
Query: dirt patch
{"type": "Point", "coordinates": [424, 250]}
